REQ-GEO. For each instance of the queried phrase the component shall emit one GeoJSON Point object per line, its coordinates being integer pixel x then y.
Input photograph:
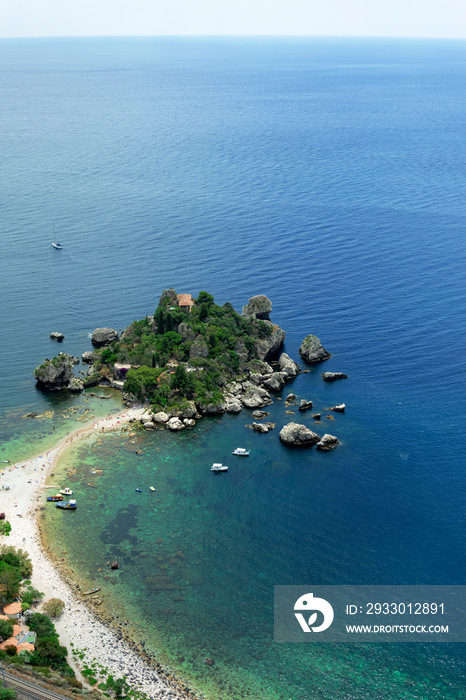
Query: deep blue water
{"type": "Point", "coordinates": [327, 174]}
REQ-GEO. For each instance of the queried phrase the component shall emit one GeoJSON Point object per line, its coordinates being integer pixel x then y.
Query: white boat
{"type": "Point", "coordinates": [66, 492]}
{"type": "Point", "coordinates": [58, 246]}
{"type": "Point", "coordinates": [218, 467]}
{"type": "Point", "coordinates": [241, 451]}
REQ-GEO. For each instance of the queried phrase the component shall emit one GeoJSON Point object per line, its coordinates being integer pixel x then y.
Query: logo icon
{"type": "Point", "coordinates": [308, 604]}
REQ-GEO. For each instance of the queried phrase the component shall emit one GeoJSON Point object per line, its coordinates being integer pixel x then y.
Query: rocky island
{"type": "Point", "coordinates": [191, 358]}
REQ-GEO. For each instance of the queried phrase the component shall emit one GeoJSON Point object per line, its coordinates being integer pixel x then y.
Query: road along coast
{"type": "Point", "coordinates": [78, 627]}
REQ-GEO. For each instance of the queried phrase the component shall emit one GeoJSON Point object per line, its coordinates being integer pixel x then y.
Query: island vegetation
{"type": "Point", "coordinates": [180, 355]}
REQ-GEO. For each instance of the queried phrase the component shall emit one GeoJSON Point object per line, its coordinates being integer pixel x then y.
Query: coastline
{"type": "Point", "coordinates": [79, 627]}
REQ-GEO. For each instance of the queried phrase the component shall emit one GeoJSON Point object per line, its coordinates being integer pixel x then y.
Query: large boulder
{"type": "Point", "coordinates": [187, 410]}
{"type": "Point", "coordinates": [267, 347]}
{"type": "Point", "coordinates": [305, 405]}
{"type": "Point", "coordinates": [297, 434]}
{"type": "Point", "coordinates": [57, 336]}
{"type": "Point", "coordinates": [327, 443]}
{"type": "Point", "coordinates": [175, 424]}
{"type": "Point", "coordinates": [211, 409]}
{"type": "Point", "coordinates": [276, 381]}
{"type": "Point", "coordinates": [160, 417]}
{"type": "Point", "coordinates": [87, 357]}
{"type": "Point", "coordinates": [104, 336]}
{"type": "Point", "coordinates": [234, 406]}
{"type": "Point", "coordinates": [289, 366]}
{"type": "Point", "coordinates": [312, 350]}
{"type": "Point", "coordinates": [76, 385]}
{"type": "Point", "coordinates": [259, 306]}
{"type": "Point", "coordinates": [55, 374]}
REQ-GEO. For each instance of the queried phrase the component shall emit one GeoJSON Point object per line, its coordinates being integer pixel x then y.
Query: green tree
{"type": "Point", "coordinates": [7, 694]}
{"type": "Point", "coordinates": [29, 596]}
{"type": "Point", "coordinates": [6, 629]}
{"type": "Point", "coordinates": [54, 607]}
{"type": "Point", "coordinates": [9, 582]}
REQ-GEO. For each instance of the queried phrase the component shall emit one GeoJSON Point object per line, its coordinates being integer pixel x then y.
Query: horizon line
{"type": "Point", "coordinates": [238, 36]}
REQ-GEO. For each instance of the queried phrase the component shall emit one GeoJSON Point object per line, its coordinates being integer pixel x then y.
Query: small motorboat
{"type": "Point", "coordinates": [151, 488]}
{"type": "Point", "coordinates": [218, 467]}
{"type": "Point", "coordinates": [241, 452]}
{"type": "Point", "coordinates": [138, 490]}
{"type": "Point", "coordinates": [67, 505]}
{"type": "Point", "coordinates": [58, 246]}
{"type": "Point", "coordinates": [58, 497]}
{"type": "Point", "coordinates": [66, 491]}
{"type": "Point", "coordinates": [93, 590]}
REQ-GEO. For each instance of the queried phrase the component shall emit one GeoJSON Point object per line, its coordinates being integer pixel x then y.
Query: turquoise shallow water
{"type": "Point", "coordinates": [328, 175]}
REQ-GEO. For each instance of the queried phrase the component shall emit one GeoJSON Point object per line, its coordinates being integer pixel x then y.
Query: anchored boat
{"type": "Point", "coordinates": [241, 452]}
{"type": "Point", "coordinates": [67, 505]}
{"type": "Point", "coordinates": [218, 467]}
{"type": "Point", "coordinates": [58, 497]}
{"type": "Point", "coordinates": [66, 491]}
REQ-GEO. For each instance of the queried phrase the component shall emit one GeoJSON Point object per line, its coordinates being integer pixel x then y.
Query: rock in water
{"type": "Point", "coordinates": [175, 424]}
{"type": "Point", "coordinates": [304, 405]}
{"type": "Point", "coordinates": [312, 350]}
{"type": "Point", "coordinates": [297, 434]}
{"type": "Point", "coordinates": [104, 336]}
{"type": "Point", "coordinates": [327, 443]}
{"type": "Point", "coordinates": [114, 565]}
{"type": "Point", "coordinates": [55, 374]}
{"type": "Point", "coordinates": [57, 336]}
{"type": "Point", "coordinates": [286, 364]}
{"type": "Point", "coordinates": [331, 376]}
{"type": "Point", "coordinates": [87, 357]}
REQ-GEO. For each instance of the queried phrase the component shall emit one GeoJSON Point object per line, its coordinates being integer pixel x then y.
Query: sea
{"type": "Point", "coordinates": [327, 174]}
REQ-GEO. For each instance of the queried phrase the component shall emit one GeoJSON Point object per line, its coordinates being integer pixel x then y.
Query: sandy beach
{"type": "Point", "coordinates": [77, 626]}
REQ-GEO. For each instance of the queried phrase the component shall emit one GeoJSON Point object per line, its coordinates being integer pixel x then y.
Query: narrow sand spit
{"type": "Point", "coordinates": [77, 625]}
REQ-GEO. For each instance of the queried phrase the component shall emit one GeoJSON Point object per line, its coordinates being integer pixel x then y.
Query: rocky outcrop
{"type": "Point", "coordinates": [87, 357]}
{"type": "Point", "coordinates": [290, 397]}
{"type": "Point", "coordinates": [160, 417]}
{"type": "Point", "coordinates": [255, 396]}
{"type": "Point", "coordinates": [199, 348]}
{"type": "Point", "coordinates": [327, 443]}
{"type": "Point", "coordinates": [267, 347]}
{"type": "Point", "coordinates": [104, 336]}
{"type": "Point", "coordinates": [259, 306]}
{"type": "Point", "coordinates": [76, 385]}
{"type": "Point", "coordinates": [168, 298]}
{"type": "Point", "coordinates": [234, 406]}
{"type": "Point", "coordinates": [211, 409]}
{"type": "Point", "coordinates": [175, 424]}
{"type": "Point", "coordinates": [276, 381]}
{"type": "Point", "coordinates": [331, 376]}
{"type": "Point", "coordinates": [299, 435]}
{"type": "Point", "coordinates": [149, 425]}
{"type": "Point", "coordinates": [338, 409]}
{"type": "Point", "coordinates": [289, 366]}
{"type": "Point", "coordinates": [312, 350]}
{"type": "Point", "coordinates": [57, 336]}
{"type": "Point", "coordinates": [55, 374]}
{"type": "Point", "coordinates": [186, 332]}
{"type": "Point", "coordinates": [305, 405]}
{"type": "Point", "coordinates": [317, 416]}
